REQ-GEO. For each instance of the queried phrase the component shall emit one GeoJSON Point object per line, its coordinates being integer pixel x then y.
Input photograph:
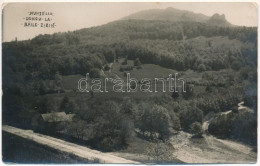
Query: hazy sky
{"type": "Point", "coordinates": [73, 16]}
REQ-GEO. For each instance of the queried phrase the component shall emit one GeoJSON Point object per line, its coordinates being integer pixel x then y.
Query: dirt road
{"type": "Point", "coordinates": [211, 149]}
{"type": "Point", "coordinates": [64, 146]}
{"type": "Point", "coordinates": [241, 107]}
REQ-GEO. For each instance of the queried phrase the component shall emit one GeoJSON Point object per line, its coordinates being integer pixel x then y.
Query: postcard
{"type": "Point", "coordinates": [129, 82]}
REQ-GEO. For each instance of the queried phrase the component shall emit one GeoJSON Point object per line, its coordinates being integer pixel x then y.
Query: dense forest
{"type": "Point", "coordinates": [222, 60]}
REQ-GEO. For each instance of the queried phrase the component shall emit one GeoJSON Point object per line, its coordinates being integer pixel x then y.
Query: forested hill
{"type": "Point", "coordinates": [173, 45]}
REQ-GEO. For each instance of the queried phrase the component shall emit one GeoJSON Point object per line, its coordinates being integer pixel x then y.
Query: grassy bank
{"type": "Point", "coordinates": [21, 151]}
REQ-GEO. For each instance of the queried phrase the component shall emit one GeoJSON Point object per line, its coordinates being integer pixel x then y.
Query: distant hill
{"type": "Point", "coordinates": [176, 15]}
{"type": "Point", "coordinates": [219, 20]}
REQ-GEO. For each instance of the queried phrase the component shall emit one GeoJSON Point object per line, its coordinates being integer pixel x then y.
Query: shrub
{"type": "Point", "coordinates": [234, 109]}
{"type": "Point", "coordinates": [175, 120]}
{"type": "Point", "coordinates": [161, 152]}
{"type": "Point", "coordinates": [190, 115]}
{"type": "Point", "coordinates": [106, 68]}
{"type": "Point", "coordinates": [95, 73]}
{"type": "Point", "coordinates": [124, 62]}
{"type": "Point", "coordinates": [236, 65]}
{"type": "Point", "coordinates": [189, 92]}
{"type": "Point", "coordinates": [201, 67]}
{"type": "Point", "coordinates": [126, 68]}
{"type": "Point", "coordinates": [139, 67]}
{"type": "Point", "coordinates": [196, 129]}
{"type": "Point", "coordinates": [175, 95]}
{"type": "Point", "coordinates": [137, 62]}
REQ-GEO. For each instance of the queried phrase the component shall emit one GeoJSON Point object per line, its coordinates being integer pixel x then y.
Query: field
{"type": "Point", "coordinates": [149, 71]}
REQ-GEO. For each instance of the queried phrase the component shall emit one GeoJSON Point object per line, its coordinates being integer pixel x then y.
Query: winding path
{"type": "Point", "coordinates": [241, 107]}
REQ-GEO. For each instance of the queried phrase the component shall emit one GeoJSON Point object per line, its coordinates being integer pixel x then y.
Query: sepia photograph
{"type": "Point", "coordinates": [129, 82]}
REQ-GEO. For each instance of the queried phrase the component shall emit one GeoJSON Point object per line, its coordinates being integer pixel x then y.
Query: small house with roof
{"type": "Point", "coordinates": [41, 121]}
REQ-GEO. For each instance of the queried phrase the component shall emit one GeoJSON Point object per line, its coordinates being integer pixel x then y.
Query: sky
{"type": "Point", "coordinates": [73, 16]}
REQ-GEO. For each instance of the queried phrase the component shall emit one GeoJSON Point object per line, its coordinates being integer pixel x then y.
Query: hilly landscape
{"type": "Point", "coordinates": [216, 115]}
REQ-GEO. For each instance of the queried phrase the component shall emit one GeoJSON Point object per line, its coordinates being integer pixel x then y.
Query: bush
{"type": "Point", "coordinates": [124, 62]}
{"type": "Point", "coordinates": [95, 73]}
{"type": "Point", "coordinates": [189, 92]}
{"type": "Point", "coordinates": [106, 68]}
{"type": "Point", "coordinates": [196, 129]}
{"type": "Point", "coordinates": [126, 68]}
{"type": "Point", "coordinates": [137, 62]}
{"type": "Point", "coordinates": [223, 125]}
{"type": "Point", "coordinates": [121, 69]}
{"type": "Point", "coordinates": [245, 127]}
{"type": "Point", "coordinates": [175, 95]}
{"type": "Point", "coordinates": [175, 121]}
{"type": "Point", "coordinates": [201, 67]}
{"type": "Point", "coordinates": [190, 115]}
{"type": "Point", "coordinates": [208, 88]}
{"type": "Point", "coordinates": [109, 143]}
{"type": "Point", "coordinates": [234, 109]}
{"type": "Point", "coordinates": [139, 67]}
{"type": "Point", "coordinates": [236, 65]}
{"type": "Point", "coordinates": [161, 152]}
{"type": "Point", "coordinates": [126, 131]}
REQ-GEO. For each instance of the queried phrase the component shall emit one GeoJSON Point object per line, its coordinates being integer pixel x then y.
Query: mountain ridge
{"type": "Point", "coordinates": [177, 15]}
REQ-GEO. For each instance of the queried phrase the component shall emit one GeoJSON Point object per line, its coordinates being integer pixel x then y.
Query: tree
{"type": "Point", "coordinates": [77, 129]}
{"type": "Point", "coordinates": [64, 102]}
{"type": "Point", "coordinates": [147, 117]}
{"type": "Point", "coordinates": [110, 55]}
{"type": "Point", "coordinates": [243, 73]}
{"type": "Point", "coordinates": [58, 80]}
{"type": "Point", "coordinates": [126, 130]}
{"type": "Point", "coordinates": [67, 106]}
{"type": "Point", "coordinates": [196, 129]}
{"type": "Point", "coordinates": [252, 75]}
{"type": "Point", "coordinates": [201, 67]}
{"type": "Point", "coordinates": [175, 121]}
{"type": "Point", "coordinates": [106, 68]}
{"type": "Point", "coordinates": [109, 126]}
{"type": "Point", "coordinates": [190, 115]}
{"type": "Point", "coordinates": [137, 62]}
{"type": "Point", "coordinates": [124, 62]}
{"type": "Point", "coordinates": [95, 73]}
{"type": "Point", "coordinates": [161, 152]}
{"type": "Point", "coordinates": [236, 65]}
{"type": "Point", "coordinates": [127, 107]}
{"type": "Point", "coordinates": [175, 95]}
{"type": "Point", "coordinates": [189, 92]}
{"type": "Point", "coordinates": [208, 88]}
{"type": "Point", "coordinates": [234, 109]}
{"type": "Point", "coordinates": [43, 105]}
{"type": "Point", "coordinates": [43, 88]}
